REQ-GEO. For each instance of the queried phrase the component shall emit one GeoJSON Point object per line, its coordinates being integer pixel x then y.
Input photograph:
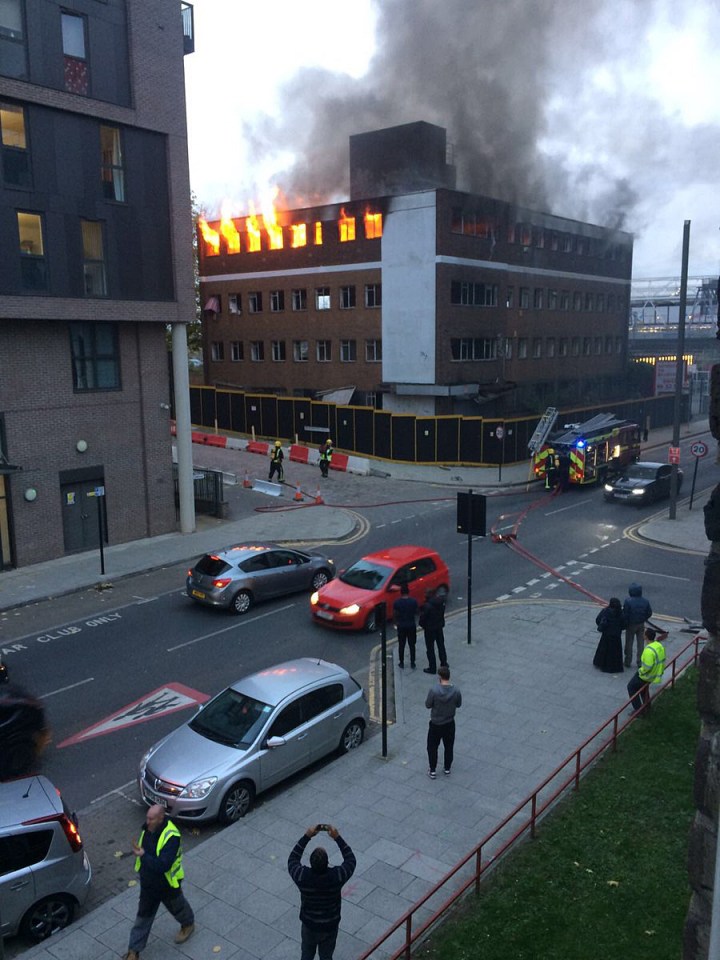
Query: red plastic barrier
{"type": "Point", "coordinates": [213, 440]}
{"type": "Point", "coordinates": [299, 454]}
{"type": "Point", "coordinates": [339, 462]}
{"type": "Point", "coordinates": [255, 446]}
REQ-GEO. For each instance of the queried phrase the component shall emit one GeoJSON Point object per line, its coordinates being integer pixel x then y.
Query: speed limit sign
{"type": "Point", "coordinates": [500, 433]}
{"type": "Point", "coordinates": [699, 449]}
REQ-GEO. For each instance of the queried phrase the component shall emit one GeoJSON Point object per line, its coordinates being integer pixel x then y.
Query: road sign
{"type": "Point", "coordinates": [499, 432]}
{"type": "Point", "coordinates": [699, 449]}
{"type": "Point", "coordinates": [471, 514]}
{"type": "Point", "coordinates": [674, 455]}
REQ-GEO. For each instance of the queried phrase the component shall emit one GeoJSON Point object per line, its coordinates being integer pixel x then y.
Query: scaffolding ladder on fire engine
{"type": "Point", "coordinates": [547, 422]}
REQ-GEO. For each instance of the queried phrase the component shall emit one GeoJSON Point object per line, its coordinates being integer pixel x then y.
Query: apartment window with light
{"type": "Point", "coordinates": [93, 259]}
{"type": "Point", "coordinates": [33, 269]}
{"type": "Point", "coordinates": [300, 351]}
{"type": "Point", "coordinates": [550, 347]}
{"type": "Point", "coordinates": [537, 348]}
{"type": "Point", "coordinates": [255, 302]}
{"type": "Point", "coordinates": [324, 351]}
{"type": "Point", "coordinates": [217, 350]}
{"type": "Point", "coordinates": [257, 350]}
{"type": "Point", "coordinates": [234, 303]}
{"type": "Point", "coordinates": [299, 299]}
{"type": "Point", "coordinates": [538, 298]}
{"type": "Point", "coordinates": [524, 298]}
{"type": "Point", "coordinates": [278, 351]}
{"type": "Point", "coordinates": [373, 351]}
{"type": "Point", "coordinates": [373, 294]}
{"type": "Point", "coordinates": [347, 298]}
{"type": "Point", "coordinates": [95, 356]}
{"type": "Point", "coordinates": [522, 348]}
{"type": "Point", "coordinates": [77, 73]}
{"type": "Point", "coordinates": [322, 298]}
{"type": "Point", "coordinates": [348, 351]}
{"type": "Point", "coordinates": [237, 351]}
{"type": "Point", "coordinates": [563, 347]}
{"type": "Point", "coordinates": [13, 55]}
{"type": "Point", "coordinates": [13, 141]}
{"type": "Point", "coordinates": [112, 173]}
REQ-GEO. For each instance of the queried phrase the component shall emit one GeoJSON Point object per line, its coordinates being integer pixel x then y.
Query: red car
{"type": "Point", "coordinates": [353, 600]}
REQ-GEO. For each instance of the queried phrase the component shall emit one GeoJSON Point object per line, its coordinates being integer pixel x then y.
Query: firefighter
{"type": "Point", "coordinates": [276, 462]}
{"type": "Point", "coordinates": [326, 453]}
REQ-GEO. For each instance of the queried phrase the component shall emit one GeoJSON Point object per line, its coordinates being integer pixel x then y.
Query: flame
{"type": "Point", "coordinates": [373, 225]}
{"type": "Point", "coordinates": [211, 238]}
{"type": "Point", "coordinates": [318, 233]}
{"type": "Point", "coordinates": [299, 234]}
{"type": "Point", "coordinates": [253, 230]}
{"type": "Point", "coordinates": [272, 227]}
{"type": "Point", "coordinates": [346, 226]}
{"type": "Point", "coordinates": [229, 231]}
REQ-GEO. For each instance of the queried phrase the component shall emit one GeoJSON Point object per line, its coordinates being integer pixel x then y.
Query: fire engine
{"type": "Point", "coordinates": [589, 452]}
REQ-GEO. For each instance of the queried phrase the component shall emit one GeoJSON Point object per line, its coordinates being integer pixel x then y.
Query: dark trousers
{"type": "Point", "coordinates": [639, 690]}
{"type": "Point", "coordinates": [437, 733]}
{"type": "Point", "coordinates": [150, 900]}
{"type": "Point", "coordinates": [433, 637]}
{"type": "Point", "coordinates": [276, 467]}
{"type": "Point", "coordinates": [406, 635]}
{"type": "Point", "coordinates": [321, 940]}
{"type": "Point", "coordinates": [324, 467]}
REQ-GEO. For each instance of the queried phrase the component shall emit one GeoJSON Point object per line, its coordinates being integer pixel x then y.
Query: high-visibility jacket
{"type": "Point", "coordinates": [277, 455]}
{"type": "Point", "coordinates": [176, 873]}
{"type": "Point", "coordinates": [326, 453]}
{"type": "Point", "coordinates": [652, 662]}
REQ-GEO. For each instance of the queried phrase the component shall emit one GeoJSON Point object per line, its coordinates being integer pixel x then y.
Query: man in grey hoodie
{"type": "Point", "coordinates": [636, 610]}
{"type": "Point", "coordinates": [442, 701]}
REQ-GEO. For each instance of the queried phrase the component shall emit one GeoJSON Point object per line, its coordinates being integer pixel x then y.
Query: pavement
{"type": "Point", "coordinates": [407, 831]}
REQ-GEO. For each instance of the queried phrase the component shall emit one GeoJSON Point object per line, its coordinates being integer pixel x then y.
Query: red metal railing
{"type": "Point", "coordinates": [418, 920]}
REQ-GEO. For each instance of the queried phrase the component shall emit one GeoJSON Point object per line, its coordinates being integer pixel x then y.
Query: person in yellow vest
{"type": "Point", "coordinates": [276, 462]}
{"type": "Point", "coordinates": [652, 665]}
{"type": "Point", "coordinates": [158, 861]}
{"type": "Point", "coordinates": [326, 453]}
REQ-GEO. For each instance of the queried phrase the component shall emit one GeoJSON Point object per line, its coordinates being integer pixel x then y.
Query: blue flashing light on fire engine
{"type": "Point", "coordinates": [580, 444]}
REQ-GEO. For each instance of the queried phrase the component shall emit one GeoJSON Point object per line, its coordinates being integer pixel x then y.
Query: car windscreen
{"type": "Point", "coordinates": [211, 566]}
{"type": "Point", "coordinates": [366, 575]}
{"type": "Point", "coordinates": [231, 718]}
{"type": "Point", "coordinates": [636, 471]}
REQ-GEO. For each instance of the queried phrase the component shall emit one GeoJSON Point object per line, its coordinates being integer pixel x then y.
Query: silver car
{"type": "Point", "coordinates": [251, 736]}
{"type": "Point", "coordinates": [44, 871]}
{"type": "Point", "coordinates": [238, 576]}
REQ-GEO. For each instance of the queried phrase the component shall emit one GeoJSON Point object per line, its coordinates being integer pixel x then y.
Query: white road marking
{"type": "Point", "coordinates": [572, 506]}
{"type": "Point", "coordinates": [504, 596]}
{"type": "Point", "coordinates": [640, 573]}
{"type": "Point", "coordinates": [242, 623]}
{"type": "Point", "coordinates": [64, 689]}
{"type": "Point", "coordinates": [112, 793]}
{"type": "Point", "coordinates": [518, 589]}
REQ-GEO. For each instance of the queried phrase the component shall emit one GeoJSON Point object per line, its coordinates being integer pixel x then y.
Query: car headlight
{"type": "Point", "coordinates": [609, 488]}
{"type": "Point", "coordinates": [314, 597]}
{"type": "Point", "coordinates": [638, 491]}
{"type": "Point", "coordinates": [199, 788]}
{"type": "Point", "coordinates": [143, 762]}
{"type": "Point", "coordinates": [351, 610]}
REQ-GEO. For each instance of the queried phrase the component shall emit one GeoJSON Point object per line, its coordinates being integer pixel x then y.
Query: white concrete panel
{"type": "Point", "coordinates": [417, 406]}
{"type": "Point", "coordinates": [408, 289]}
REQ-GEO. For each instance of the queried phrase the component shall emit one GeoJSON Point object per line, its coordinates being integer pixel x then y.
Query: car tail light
{"type": "Point", "coordinates": [69, 828]}
{"type": "Point", "coordinates": [220, 584]}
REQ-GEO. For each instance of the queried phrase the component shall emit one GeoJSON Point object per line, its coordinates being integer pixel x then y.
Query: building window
{"type": "Point", "coordinates": [278, 351]}
{"type": "Point", "coordinates": [576, 346]}
{"type": "Point", "coordinates": [95, 356]}
{"type": "Point", "coordinates": [565, 300]}
{"type": "Point", "coordinates": [473, 348]}
{"type": "Point", "coordinates": [277, 301]}
{"type": "Point", "coordinates": [552, 299]}
{"type": "Point", "coordinates": [111, 164]}
{"type": "Point", "coordinates": [348, 351]}
{"type": "Point", "coordinates": [608, 345]}
{"type": "Point", "coordinates": [373, 351]}
{"type": "Point", "coordinates": [538, 298]}
{"type": "Point", "coordinates": [299, 299]}
{"type": "Point", "coordinates": [577, 301]}
{"type": "Point", "coordinates": [524, 298]}
{"type": "Point", "coordinates": [618, 344]}
{"type": "Point", "coordinates": [324, 351]}
{"type": "Point", "coordinates": [13, 139]}
{"type": "Point", "coordinates": [601, 303]}
{"type": "Point", "coordinates": [347, 298]}
{"type": "Point", "coordinates": [510, 297]}
{"type": "Point", "coordinates": [537, 348]}
{"type": "Point", "coordinates": [554, 241]}
{"type": "Point", "coordinates": [255, 302]}
{"type": "Point", "coordinates": [567, 243]}
{"type": "Point", "coordinates": [587, 346]}
{"type": "Point", "coordinates": [373, 294]}
{"type": "Point", "coordinates": [257, 350]}
{"type": "Point", "coordinates": [346, 227]}
{"type": "Point", "coordinates": [373, 225]}
{"type": "Point", "coordinates": [563, 347]}
{"type": "Point", "coordinates": [539, 237]}
{"type": "Point", "coordinates": [522, 348]}
{"type": "Point", "coordinates": [322, 298]}
{"type": "Point", "coordinates": [33, 269]}
{"type": "Point", "coordinates": [217, 350]}
{"type": "Point", "coordinates": [13, 60]}
{"type": "Point", "coordinates": [598, 346]}
{"type": "Point", "coordinates": [582, 246]}
{"type": "Point", "coordinates": [589, 301]}
{"type": "Point", "coordinates": [93, 259]}
{"type": "Point", "coordinates": [237, 351]}
{"type": "Point", "coordinates": [550, 347]}
{"type": "Point", "coordinates": [468, 294]}
{"type": "Point", "coordinates": [77, 74]}
{"type": "Point", "coordinates": [611, 302]}
{"type": "Point", "coordinates": [234, 303]}
{"type": "Point", "coordinates": [300, 351]}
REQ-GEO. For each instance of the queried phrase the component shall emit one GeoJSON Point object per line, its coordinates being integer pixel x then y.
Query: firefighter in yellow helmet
{"type": "Point", "coordinates": [326, 453]}
{"type": "Point", "coordinates": [276, 462]}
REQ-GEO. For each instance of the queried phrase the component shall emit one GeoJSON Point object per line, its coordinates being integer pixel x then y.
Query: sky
{"type": "Point", "coordinates": [599, 110]}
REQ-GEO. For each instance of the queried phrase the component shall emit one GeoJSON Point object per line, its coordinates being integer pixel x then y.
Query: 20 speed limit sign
{"type": "Point", "coordinates": [699, 449]}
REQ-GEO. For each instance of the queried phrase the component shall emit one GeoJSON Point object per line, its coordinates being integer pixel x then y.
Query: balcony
{"type": "Point", "coordinates": [188, 27]}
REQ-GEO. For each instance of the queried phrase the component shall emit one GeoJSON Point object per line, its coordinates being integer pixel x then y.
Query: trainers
{"type": "Point", "coordinates": [401, 665]}
{"type": "Point", "coordinates": [412, 666]}
{"type": "Point", "coordinates": [132, 955]}
{"type": "Point", "coordinates": [432, 774]}
{"type": "Point", "coordinates": [428, 670]}
{"type": "Point", "coordinates": [447, 773]}
{"type": "Point", "coordinates": [185, 933]}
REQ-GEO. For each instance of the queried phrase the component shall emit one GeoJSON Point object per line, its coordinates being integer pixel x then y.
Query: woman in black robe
{"type": "Point", "coordinates": [609, 655]}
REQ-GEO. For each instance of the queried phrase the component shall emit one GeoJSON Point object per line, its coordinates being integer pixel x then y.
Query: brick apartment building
{"type": "Point", "coordinates": [414, 296]}
{"type": "Point", "coordinates": [95, 261]}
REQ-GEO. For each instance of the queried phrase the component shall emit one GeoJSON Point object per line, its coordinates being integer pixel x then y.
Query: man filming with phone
{"type": "Point", "coordinates": [320, 886]}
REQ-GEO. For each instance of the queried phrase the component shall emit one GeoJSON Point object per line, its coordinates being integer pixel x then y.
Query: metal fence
{"type": "Point", "coordinates": [208, 489]}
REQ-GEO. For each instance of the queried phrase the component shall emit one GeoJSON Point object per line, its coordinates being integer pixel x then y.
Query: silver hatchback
{"type": "Point", "coordinates": [251, 736]}
{"type": "Point", "coordinates": [239, 576]}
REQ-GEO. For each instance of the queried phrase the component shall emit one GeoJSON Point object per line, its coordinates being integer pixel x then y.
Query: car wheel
{"type": "Point", "coordinates": [352, 737]}
{"type": "Point", "coordinates": [241, 602]}
{"type": "Point", "coordinates": [371, 624]}
{"type": "Point", "coordinates": [320, 579]}
{"type": "Point", "coordinates": [236, 802]}
{"type": "Point", "coordinates": [48, 916]}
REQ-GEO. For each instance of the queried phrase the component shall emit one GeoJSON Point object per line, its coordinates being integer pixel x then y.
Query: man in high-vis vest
{"type": "Point", "coordinates": [652, 665]}
{"type": "Point", "coordinates": [326, 453]}
{"type": "Point", "coordinates": [158, 861]}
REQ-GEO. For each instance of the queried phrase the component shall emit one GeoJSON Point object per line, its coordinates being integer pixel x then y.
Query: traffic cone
{"type": "Point", "coordinates": [318, 496]}
{"type": "Point", "coordinates": [298, 494]}
{"type": "Point", "coordinates": [246, 481]}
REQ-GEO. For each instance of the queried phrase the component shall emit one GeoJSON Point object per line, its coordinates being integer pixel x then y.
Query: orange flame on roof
{"type": "Point", "coordinates": [373, 225]}
{"type": "Point", "coordinates": [229, 231]}
{"type": "Point", "coordinates": [346, 226]}
{"type": "Point", "coordinates": [253, 230]}
{"type": "Point", "coordinates": [211, 238]}
{"type": "Point", "coordinates": [272, 227]}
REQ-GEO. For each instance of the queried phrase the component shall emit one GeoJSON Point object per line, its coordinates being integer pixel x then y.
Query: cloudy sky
{"type": "Point", "coordinates": [602, 110]}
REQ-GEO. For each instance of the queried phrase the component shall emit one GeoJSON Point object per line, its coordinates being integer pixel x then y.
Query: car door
{"type": "Point", "coordinates": [663, 481]}
{"type": "Point", "coordinates": [18, 853]}
{"type": "Point", "coordinates": [259, 575]}
{"type": "Point", "coordinates": [324, 715]}
{"type": "Point", "coordinates": [287, 573]}
{"type": "Point", "coordinates": [277, 763]}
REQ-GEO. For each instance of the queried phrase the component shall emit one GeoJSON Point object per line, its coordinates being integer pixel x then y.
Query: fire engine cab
{"type": "Point", "coordinates": [589, 452]}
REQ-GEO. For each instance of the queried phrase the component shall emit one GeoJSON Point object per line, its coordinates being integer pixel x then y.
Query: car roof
{"type": "Point", "coordinates": [27, 798]}
{"type": "Point", "coordinates": [400, 555]}
{"type": "Point", "coordinates": [240, 551]}
{"type": "Point", "coordinates": [273, 684]}
{"type": "Point", "coordinates": [647, 463]}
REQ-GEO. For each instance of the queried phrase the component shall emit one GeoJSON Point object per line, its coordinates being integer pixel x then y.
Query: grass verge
{"type": "Point", "coordinates": [607, 875]}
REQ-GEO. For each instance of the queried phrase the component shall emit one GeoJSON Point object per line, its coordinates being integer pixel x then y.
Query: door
{"type": "Point", "coordinates": [18, 854]}
{"type": "Point", "coordinates": [287, 572]}
{"type": "Point", "coordinates": [277, 763]}
{"type": "Point", "coordinates": [81, 529]}
{"type": "Point", "coordinates": [324, 715]}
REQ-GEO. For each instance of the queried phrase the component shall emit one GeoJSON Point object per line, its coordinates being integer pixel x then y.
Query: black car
{"type": "Point", "coordinates": [643, 482]}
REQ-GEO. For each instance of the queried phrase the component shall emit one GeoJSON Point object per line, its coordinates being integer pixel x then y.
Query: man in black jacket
{"type": "Point", "coordinates": [432, 621]}
{"type": "Point", "coordinates": [320, 887]}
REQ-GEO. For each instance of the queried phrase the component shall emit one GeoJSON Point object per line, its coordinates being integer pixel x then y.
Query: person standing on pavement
{"type": "Point", "coordinates": [405, 609]}
{"type": "Point", "coordinates": [326, 453]}
{"type": "Point", "coordinates": [609, 655]}
{"type": "Point", "coordinates": [158, 860]}
{"type": "Point", "coordinates": [432, 621]}
{"type": "Point", "coordinates": [276, 462]}
{"type": "Point", "coordinates": [650, 671]}
{"type": "Point", "coordinates": [442, 701]}
{"type": "Point", "coordinates": [636, 610]}
{"type": "Point", "coordinates": [320, 886]}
